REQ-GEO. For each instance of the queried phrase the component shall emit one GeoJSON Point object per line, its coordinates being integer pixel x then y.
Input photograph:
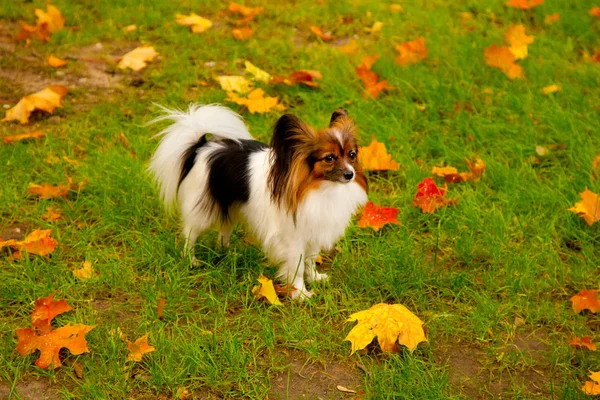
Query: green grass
{"type": "Point", "coordinates": [491, 277]}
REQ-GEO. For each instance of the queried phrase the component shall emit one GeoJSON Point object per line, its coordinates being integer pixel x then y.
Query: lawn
{"type": "Point", "coordinates": [491, 276]}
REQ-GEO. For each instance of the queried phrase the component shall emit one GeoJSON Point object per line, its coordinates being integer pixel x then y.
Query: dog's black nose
{"type": "Point", "coordinates": [348, 175]}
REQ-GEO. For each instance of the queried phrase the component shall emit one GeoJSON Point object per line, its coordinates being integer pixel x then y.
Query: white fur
{"type": "Point", "coordinates": [321, 218]}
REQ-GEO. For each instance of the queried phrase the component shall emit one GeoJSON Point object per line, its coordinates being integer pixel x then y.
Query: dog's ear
{"type": "Point", "coordinates": [339, 113]}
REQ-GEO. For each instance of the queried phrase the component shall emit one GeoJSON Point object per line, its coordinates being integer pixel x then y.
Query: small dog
{"type": "Point", "coordinates": [296, 196]}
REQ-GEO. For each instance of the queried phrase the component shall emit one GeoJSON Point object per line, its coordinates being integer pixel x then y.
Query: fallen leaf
{"type": "Point", "coordinates": [451, 174]}
{"type": "Point", "coordinates": [257, 102]}
{"type": "Point", "coordinates": [266, 290]}
{"type": "Point", "coordinates": [429, 197]}
{"type": "Point", "coordinates": [249, 13]}
{"type": "Point", "coordinates": [550, 89]}
{"type": "Point", "coordinates": [350, 48]}
{"type": "Point", "coordinates": [137, 58]}
{"type": "Point", "coordinates": [196, 23]}
{"type": "Point", "coordinates": [396, 8]}
{"type": "Point", "coordinates": [390, 323]}
{"type": "Point", "coordinates": [317, 31]}
{"type": "Point", "coordinates": [592, 387]}
{"type": "Point", "coordinates": [518, 40]}
{"type": "Point", "coordinates": [305, 77]}
{"type": "Point", "coordinates": [285, 291]}
{"type": "Point", "coordinates": [376, 216]}
{"type": "Point", "coordinates": [29, 32]}
{"type": "Point", "coordinates": [71, 337]}
{"type": "Point", "coordinates": [24, 136]}
{"type": "Point", "coordinates": [585, 300]}
{"type": "Point", "coordinates": [344, 389]}
{"type": "Point", "coordinates": [237, 84]}
{"type": "Point", "coordinates": [130, 28]}
{"type": "Point", "coordinates": [411, 52]}
{"type": "Point", "coordinates": [524, 4]}
{"type": "Point", "coordinates": [51, 215]}
{"type": "Point", "coordinates": [56, 62]}
{"type": "Point", "coordinates": [182, 393]}
{"type": "Point", "coordinates": [375, 157]}
{"type": "Point", "coordinates": [160, 308]}
{"type": "Point", "coordinates": [46, 100]}
{"type": "Point", "coordinates": [243, 33]}
{"type": "Point", "coordinates": [52, 18]}
{"type": "Point", "coordinates": [45, 191]}
{"type": "Point", "coordinates": [138, 348]}
{"type": "Point", "coordinates": [375, 29]}
{"type": "Point", "coordinates": [552, 18]}
{"type": "Point", "coordinates": [504, 59]}
{"type": "Point", "coordinates": [84, 273]}
{"type": "Point", "coordinates": [78, 368]}
{"type": "Point", "coordinates": [370, 79]}
{"type": "Point", "coordinates": [589, 207]}
{"type": "Point", "coordinates": [595, 12]}
{"type": "Point", "coordinates": [257, 73]}
{"type": "Point", "coordinates": [584, 341]}
{"type": "Point", "coordinates": [45, 310]}
{"type": "Point", "coordinates": [37, 242]}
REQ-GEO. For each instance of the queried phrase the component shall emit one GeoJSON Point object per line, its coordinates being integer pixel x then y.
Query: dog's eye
{"type": "Point", "coordinates": [352, 155]}
{"type": "Point", "coordinates": [329, 158]}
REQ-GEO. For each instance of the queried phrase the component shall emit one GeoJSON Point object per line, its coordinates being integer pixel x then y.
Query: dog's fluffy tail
{"type": "Point", "coordinates": [187, 131]}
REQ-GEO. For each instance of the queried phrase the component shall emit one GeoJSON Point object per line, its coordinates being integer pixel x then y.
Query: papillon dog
{"type": "Point", "coordinates": [296, 196]}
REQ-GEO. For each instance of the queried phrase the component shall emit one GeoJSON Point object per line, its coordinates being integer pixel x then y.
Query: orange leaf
{"type": "Point", "coordinates": [450, 174]}
{"type": "Point", "coordinates": [317, 31]}
{"type": "Point", "coordinates": [45, 191]}
{"type": "Point", "coordinates": [44, 312]}
{"type": "Point", "coordinates": [242, 34]}
{"type": "Point", "coordinates": [350, 48]}
{"type": "Point", "coordinates": [37, 242]}
{"type": "Point", "coordinates": [305, 77]}
{"type": "Point", "coordinates": [580, 342]}
{"type": "Point", "coordinates": [504, 59]}
{"type": "Point", "coordinates": [24, 136]}
{"type": "Point", "coordinates": [71, 337]}
{"type": "Point", "coordinates": [524, 4]}
{"type": "Point", "coordinates": [51, 215]}
{"type": "Point", "coordinates": [248, 12]}
{"type": "Point", "coordinates": [370, 78]}
{"type": "Point", "coordinates": [595, 12]}
{"type": "Point", "coordinates": [374, 157]}
{"type": "Point", "coordinates": [256, 102]}
{"type": "Point", "coordinates": [45, 100]}
{"type": "Point", "coordinates": [138, 348]}
{"type": "Point", "coordinates": [429, 197]}
{"type": "Point", "coordinates": [196, 23]}
{"type": "Point", "coordinates": [411, 52]}
{"type": "Point", "coordinates": [376, 216]}
{"type": "Point", "coordinates": [585, 300]}
{"type": "Point", "coordinates": [161, 308]}
{"type": "Point", "coordinates": [589, 207]}
{"type": "Point", "coordinates": [52, 18]}
{"type": "Point", "coordinates": [552, 18]}
{"type": "Point", "coordinates": [56, 62]}
{"type": "Point", "coordinates": [518, 40]}
{"type": "Point", "coordinates": [84, 273]}
{"type": "Point", "coordinates": [28, 32]}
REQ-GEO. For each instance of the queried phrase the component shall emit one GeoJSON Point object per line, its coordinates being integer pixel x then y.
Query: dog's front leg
{"type": "Point", "coordinates": [291, 272]}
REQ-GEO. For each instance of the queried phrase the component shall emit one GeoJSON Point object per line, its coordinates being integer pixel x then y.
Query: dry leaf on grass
{"type": "Point", "coordinates": [523, 4]}
{"type": "Point", "coordinates": [249, 13]}
{"type": "Point", "coordinates": [377, 216]}
{"type": "Point", "coordinates": [45, 310]}
{"type": "Point", "coordinates": [430, 197]}
{"type": "Point", "coordinates": [24, 136]}
{"type": "Point", "coordinates": [370, 79]}
{"type": "Point", "coordinates": [56, 62]}
{"type": "Point", "coordinates": [160, 308]}
{"type": "Point", "coordinates": [592, 387]}
{"type": "Point", "coordinates": [581, 342]}
{"type": "Point", "coordinates": [411, 52]}
{"type": "Point", "coordinates": [243, 33]}
{"type": "Point", "coordinates": [306, 77]}
{"type": "Point", "coordinates": [37, 242]}
{"type": "Point", "coordinates": [351, 48]}
{"type": "Point", "coordinates": [137, 58]}
{"type": "Point", "coordinates": [550, 89]}
{"type": "Point", "coordinates": [257, 73]}
{"type": "Point", "coordinates": [375, 157]}
{"type": "Point", "coordinates": [196, 23]}
{"type": "Point", "coordinates": [235, 83]}
{"type": "Point", "coordinates": [51, 215]}
{"type": "Point", "coordinates": [595, 12]}
{"type": "Point", "coordinates": [138, 348]}
{"type": "Point", "coordinates": [48, 22]}
{"type": "Point", "coordinates": [552, 18]}
{"type": "Point", "coordinates": [503, 59]}
{"type": "Point", "coordinates": [451, 174]}
{"type": "Point", "coordinates": [266, 290]}
{"type": "Point", "coordinates": [518, 41]}
{"type": "Point", "coordinates": [589, 207]}
{"type": "Point", "coordinates": [324, 36]}
{"type": "Point", "coordinates": [45, 100]}
{"type": "Point", "coordinates": [256, 101]}
{"type": "Point", "coordinates": [84, 273]}
{"type": "Point", "coordinates": [585, 300]}
{"type": "Point", "coordinates": [389, 323]}
{"type": "Point", "coordinates": [46, 191]}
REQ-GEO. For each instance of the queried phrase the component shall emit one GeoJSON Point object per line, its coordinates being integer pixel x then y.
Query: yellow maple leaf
{"type": "Point", "coordinates": [243, 33]}
{"type": "Point", "coordinates": [518, 40]}
{"type": "Point", "coordinates": [375, 157]}
{"type": "Point", "coordinates": [550, 89]}
{"type": "Point", "coordinates": [138, 348]}
{"type": "Point", "coordinates": [589, 207]}
{"type": "Point", "coordinates": [257, 73]}
{"type": "Point", "coordinates": [390, 323]}
{"type": "Point", "coordinates": [504, 59]}
{"type": "Point", "coordinates": [45, 100]}
{"type": "Point", "coordinates": [196, 23]}
{"type": "Point", "coordinates": [257, 102]}
{"type": "Point", "coordinates": [137, 58]}
{"type": "Point", "coordinates": [592, 387]}
{"type": "Point", "coordinates": [411, 52]}
{"type": "Point", "coordinates": [266, 290]}
{"type": "Point", "coordinates": [235, 83]}
{"type": "Point", "coordinates": [84, 273]}
{"type": "Point", "coordinates": [56, 62]}
{"type": "Point", "coordinates": [351, 48]}
{"type": "Point", "coordinates": [52, 18]}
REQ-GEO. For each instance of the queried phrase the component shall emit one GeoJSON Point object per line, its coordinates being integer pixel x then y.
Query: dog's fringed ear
{"type": "Point", "coordinates": [340, 112]}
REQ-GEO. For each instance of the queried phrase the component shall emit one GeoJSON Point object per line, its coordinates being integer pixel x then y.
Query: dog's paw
{"type": "Point", "coordinates": [301, 295]}
{"type": "Point", "coordinates": [195, 262]}
{"type": "Point", "coordinates": [320, 277]}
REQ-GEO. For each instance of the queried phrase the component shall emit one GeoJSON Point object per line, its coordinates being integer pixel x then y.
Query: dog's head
{"type": "Point", "coordinates": [304, 158]}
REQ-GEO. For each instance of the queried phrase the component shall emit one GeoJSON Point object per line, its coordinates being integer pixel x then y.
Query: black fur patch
{"type": "Point", "coordinates": [189, 156]}
{"type": "Point", "coordinates": [340, 112]}
{"type": "Point", "coordinates": [229, 178]}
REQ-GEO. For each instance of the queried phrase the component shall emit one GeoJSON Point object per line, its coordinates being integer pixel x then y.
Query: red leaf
{"type": "Point", "coordinates": [429, 197]}
{"type": "Point", "coordinates": [584, 341]}
{"type": "Point", "coordinates": [376, 216]}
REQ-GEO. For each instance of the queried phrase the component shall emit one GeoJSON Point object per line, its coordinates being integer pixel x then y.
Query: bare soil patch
{"type": "Point", "coordinates": [35, 389]}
